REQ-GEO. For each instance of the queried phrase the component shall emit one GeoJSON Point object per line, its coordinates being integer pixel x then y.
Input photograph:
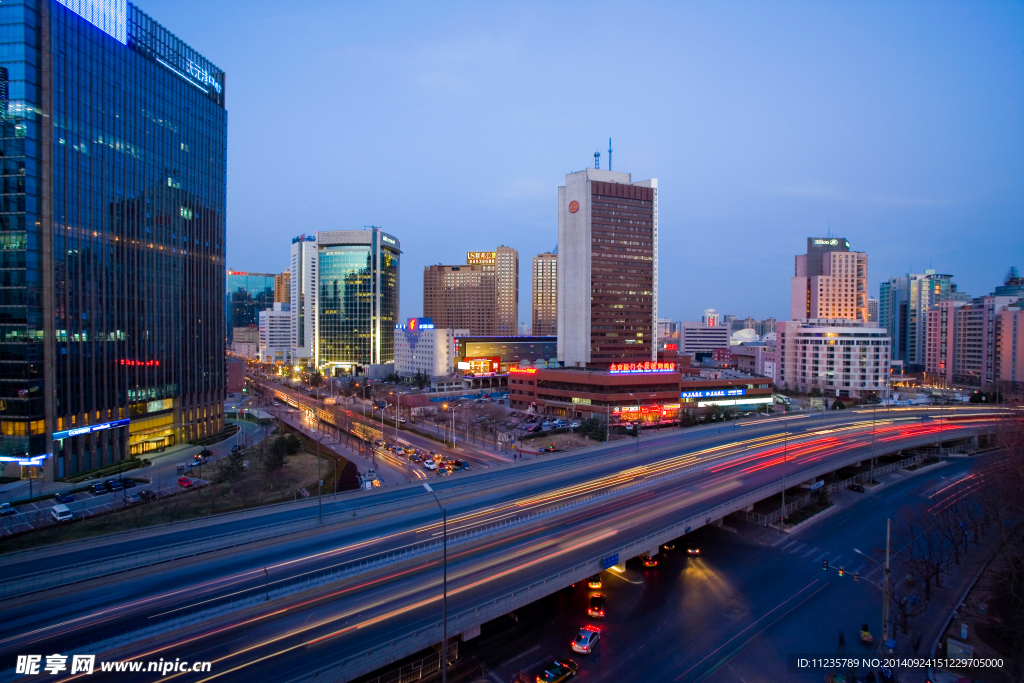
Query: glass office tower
{"type": "Point", "coordinates": [113, 138]}
{"type": "Point", "coordinates": [248, 294]}
{"type": "Point", "coordinates": [357, 299]}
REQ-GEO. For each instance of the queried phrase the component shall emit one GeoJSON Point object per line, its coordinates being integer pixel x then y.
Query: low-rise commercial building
{"type": "Point", "coordinates": [245, 342]}
{"type": "Point", "coordinates": [645, 392]}
{"type": "Point", "coordinates": [698, 337]}
{"type": "Point", "coordinates": [840, 358]}
{"type": "Point", "coordinates": [737, 392]}
{"type": "Point", "coordinates": [423, 349]}
{"type": "Point", "coordinates": [481, 356]}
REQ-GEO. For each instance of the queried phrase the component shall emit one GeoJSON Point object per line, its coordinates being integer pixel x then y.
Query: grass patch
{"type": "Point", "coordinates": [807, 511]}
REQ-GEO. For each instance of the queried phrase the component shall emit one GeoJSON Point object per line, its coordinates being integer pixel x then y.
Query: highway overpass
{"type": "Point", "coordinates": [289, 593]}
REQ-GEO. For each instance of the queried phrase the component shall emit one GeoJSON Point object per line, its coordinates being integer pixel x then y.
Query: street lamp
{"type": "Point", "coordinates": [444, 585]}
{"type": "Point", "coordinates": [785, 450]}
{"type": "Point", "coordinates": [885, 582]}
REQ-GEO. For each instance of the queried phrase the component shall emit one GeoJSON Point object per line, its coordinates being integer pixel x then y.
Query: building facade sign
{"type": "Point", "coordinates": [89, 429]}
{"type": "Point", "coordinates": [481, 258]}
{"type": "Point", "coordinates": [713, 393]}
{"type": "Point", "coordinates": [637, 368]}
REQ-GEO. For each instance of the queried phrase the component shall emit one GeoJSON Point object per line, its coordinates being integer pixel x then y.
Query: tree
{"type": "Point", "coordinates": [315, 378]}
{"type": "Point", "coordinates": [274, 458]}
{"type": "Point", "coordinates": [838, 405]}
{"type": "Point", "coordinates": [293, 444]}
{"type": "Point", "coordinates": [232, 467]}
{"type": "Point", "coordinates": [592, 428]}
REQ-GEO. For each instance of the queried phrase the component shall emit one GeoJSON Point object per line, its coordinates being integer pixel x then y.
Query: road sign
{"type": "Point", "coordinates": [610, 561]}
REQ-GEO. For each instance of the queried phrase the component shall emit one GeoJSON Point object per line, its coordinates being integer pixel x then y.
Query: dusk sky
{"type": "Point", "coordinates": [900, 125]}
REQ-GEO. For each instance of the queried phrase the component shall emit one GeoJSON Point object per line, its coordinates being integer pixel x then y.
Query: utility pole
{"type": "Point", "coordinates": [885, 587]}
{"type": "Point", "coordinates": [785, 445]}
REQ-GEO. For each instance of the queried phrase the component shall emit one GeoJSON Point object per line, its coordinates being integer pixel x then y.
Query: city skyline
{"type": "Point", "coordinates": [900, 130]}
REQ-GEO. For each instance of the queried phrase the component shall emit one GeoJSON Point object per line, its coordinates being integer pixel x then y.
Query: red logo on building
{"type": "Point", "coordinates": [574, 206]}
{"type": "Point", "coordinates": [412, 324]}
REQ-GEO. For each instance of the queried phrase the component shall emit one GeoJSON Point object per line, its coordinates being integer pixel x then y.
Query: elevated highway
{"type": "Point", "coordinates": [344, 594]}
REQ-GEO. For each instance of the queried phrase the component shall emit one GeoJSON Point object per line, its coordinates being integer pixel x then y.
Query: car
{"type": "Point", "coordinates": [402, 420]}
{"type": "Point", "coordinates": [575, 425]}
{"type": "Point", "coordinates": [61, 513]}
{"type": "Point", "coordinates": [558, 671]}
{"type": "Point", "coordinates": [429, 465]}
{"type": "Point", "coordinates": [464, 465]}
{"type": "Point", "coordinates": [443, 471]}
{"type": "Point", "coordinates": [133, 497]}
{"type": "Point", "coordinates": [185, 482]}
{"type": "Point", "coordinates": [859, 488]}
{"type": "Point", "coordinates": [128, 483]}
{"type": "Point", "coordinates": [586, 640]}
{"type": "Point", "coordinates": [114, 485]}
{"type": "Point", "coordinates": [147, 494]}
{"type": "Point", "coordinates": [650, 561]}
{"type": "Point", "coordinates": [669, 546]}
{"type": "Point", "coordinates": [98, 489]}
{"type": "Point", "coordinates": [64, 497]}
{"type": "Point", "coordinates": [596, 608]}
{"type": "Point", "coordinates": [692, 549]}
{"type": "Point", "coordinates": [7, 509]}
{"type": "Point", "coordinates": [594, 581]}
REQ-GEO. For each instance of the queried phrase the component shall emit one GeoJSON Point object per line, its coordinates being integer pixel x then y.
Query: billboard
{"type": "Point", "coordinates": [481, 258]}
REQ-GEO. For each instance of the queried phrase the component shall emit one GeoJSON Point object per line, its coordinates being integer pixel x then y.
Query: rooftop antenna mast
{"type": "Point", "coordinates": [597, 160]}
{"type": "Point", "coordinates": [609, 154]}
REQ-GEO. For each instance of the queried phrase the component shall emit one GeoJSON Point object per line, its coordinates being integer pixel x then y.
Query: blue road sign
{"type": "Point", "coordinates": [610, 561]}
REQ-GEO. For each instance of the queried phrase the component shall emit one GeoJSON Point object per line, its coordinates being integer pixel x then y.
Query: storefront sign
{"type": "Point", "coordinates": [636, 368]}
{"type": "Point", "coordinates": [713, 393]}
{"type": "Point", "coordinates": [522, 371]}
{"type": "Point", "coordinates": [67, 433]}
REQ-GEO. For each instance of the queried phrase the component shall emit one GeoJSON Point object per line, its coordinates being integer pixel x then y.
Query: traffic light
{"type": "Point", "coordinates": [824, 565]}
{"type": "Point", "coordinates": [840, 571]}
{"type": "Point", "coordinates": [856, 576]}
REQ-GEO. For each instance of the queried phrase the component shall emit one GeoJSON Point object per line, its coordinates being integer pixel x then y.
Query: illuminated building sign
{"type": "Point", "coordinates": [650, 414]}
{"type": "Point", "coordinates": [89, 429]}
{"type": "Point", "coordinates": [522, 371]}
{"type": "Point", "coordinates": [671, 347]}
{"type": "Point", "coordinates": [636, 368]}
{"type": "Point", "coordinates": [574, 206]}
{"type": "Point", "coordinates": [486, 365]}
{"type": "Point", "coordinates": [110, 16]}
{"type": "Point", "coordinates": [154, 363]}
{"type": "Point", "coordinates": [33, 461]}
{"type": "Point", "coordinates": [713, 393]}
{"type": "Point", "coordinates": [388, 240]}
{"type": "Point", "coordinates": [416, 324]}
{"type": "Point", "coordinates": [827, 242]}
{"type": "Point", "coordinates": [481, 258]}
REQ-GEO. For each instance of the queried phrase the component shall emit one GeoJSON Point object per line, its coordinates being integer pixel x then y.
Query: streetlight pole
{"type": "Point", "coordinates": [398, 413]}
{"type": "Point", "coordinates": [885, 586]}
{"type": "Point", "coordinates": [444, 585]}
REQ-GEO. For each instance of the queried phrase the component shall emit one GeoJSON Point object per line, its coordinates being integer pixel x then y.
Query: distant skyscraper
{"type": "Point", "coordinates": [357, 283]}
{"type": "Point", "coordinates": [829, 282]}
{"type": "Point", "coordinates": [113, 136]}
{"type": "Point", "coordinates": [545, 294]}
{"type": "Point", "coordinates": [903, 305]}
{"type": "Point", "coordinates": [303, 300]}
{"type": "Point", "coordinates": [712, 318]}
{"type": "Point", "coordinates": [608, 269]}
{"type": "Point", "coordinates": [247, 295]}
{"type": "Point", "coordinates": [283, 288]}
{"type": "Point", "coordinates": [872, 310]}
{"type": "Point", "coordinates": [481, 296]}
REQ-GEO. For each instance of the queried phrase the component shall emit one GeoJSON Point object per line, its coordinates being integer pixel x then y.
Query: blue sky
{"type": "Point", "coordinates": [451, 125]}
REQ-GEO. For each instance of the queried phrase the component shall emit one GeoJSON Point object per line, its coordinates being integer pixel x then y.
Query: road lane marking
{"type": "Point", "coordinates": [797, 549]}
{"type": "Point", "coordinates": [835, 560]}
{"type": "Point", "coordinates": [810, 552]}
{"type": "Point", "coordinates": [822, 556]}
{"type": "Point", "coordinates": [785, 547]}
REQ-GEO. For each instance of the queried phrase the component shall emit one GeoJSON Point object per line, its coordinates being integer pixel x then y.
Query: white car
{"type": "Point", "coordinates": [575, 425]}
{"type": "Point", "coordinates": [429, 465]}
{"type": "Point", "coordinates": [586, 639]}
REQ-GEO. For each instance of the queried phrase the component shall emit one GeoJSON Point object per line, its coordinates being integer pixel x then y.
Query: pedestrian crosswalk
{"type": "Point", "coordinates": [867, 570]}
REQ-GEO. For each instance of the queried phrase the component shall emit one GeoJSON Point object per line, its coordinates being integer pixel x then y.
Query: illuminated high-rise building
{"type": "Point", "coordinates": [114, 146]}
{"type": "Point", "coordinates": [545, 294]}
{"type": "Point", "coordinates": [829, 282]}
{"type": "Point", "coordinates": [481, 296]}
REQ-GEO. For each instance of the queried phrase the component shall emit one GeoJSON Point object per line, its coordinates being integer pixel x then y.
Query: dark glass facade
{"type": "Point", "coordinates": [112, 225]}
{"type": "Point", "coordinates": [248, 294]}
{"type": "Point", "coordinates": [357, 297]}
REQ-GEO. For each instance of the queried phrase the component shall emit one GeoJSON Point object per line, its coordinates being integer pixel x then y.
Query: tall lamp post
{"type": "Point", "coordinates": [885, 582]}
{"type": "Point", "coordinates": [444, 585]}
{"type": "Point", "coordinates": [785, 450]}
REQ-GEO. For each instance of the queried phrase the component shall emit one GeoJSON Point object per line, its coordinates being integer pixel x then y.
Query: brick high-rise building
{"type": "Point", "coordinates": [283, 288]}
{"type": "Point", "coordinates": [829, 281]}
{"type": "Point", "coordinates": [545, 294]}
{"type": "Point", "coordinates": [481, 296]}
{"type": "Point", "coordinates": [608, 270]}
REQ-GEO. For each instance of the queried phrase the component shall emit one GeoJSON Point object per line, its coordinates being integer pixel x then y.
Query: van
{"type": "Point", "coordinates": [61, 513]}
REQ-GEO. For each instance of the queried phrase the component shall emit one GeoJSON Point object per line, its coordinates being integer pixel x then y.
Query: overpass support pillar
{"type": "Point", "coordinates": [470, 634]}
{"type": "Point", "coordinates": [620, 567]}
{"type": "Point", "coordinates": [749, 508]}
{"type": "Point", "coordinates": [652, 553]}
{"type": "Point", "coordinates": [856, 464]}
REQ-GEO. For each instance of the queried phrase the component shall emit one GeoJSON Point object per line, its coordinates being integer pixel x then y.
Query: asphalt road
{"type": "Point", "coordinates": [369, 609]}
{"type": "Point", "coordinates": [731, 614]}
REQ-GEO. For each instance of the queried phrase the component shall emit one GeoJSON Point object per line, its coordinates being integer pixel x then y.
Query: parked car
{"type": "Point", "coordinates": [7, 509]}
{"type": "Point", "coordinates": [859, 488]}
{"type": "Point", "coordinates": [61, 513]}
{"type": "Point", "coordinates": [147, 494]}
{"type": "Point", "coordinates": [128, 483]}
{"type": "Point", "coordinates": [574, 425]}
{"type": "Point", "coordinates": [185, 482]}
{"type": "Point", "coordinates": [114, 485]}
{"type": "Point", "coordinates": [133, 497]}
{"type": "Point", "coordinates": [64, 497]}
{"type": "Point", "coordinates": [98, 489]}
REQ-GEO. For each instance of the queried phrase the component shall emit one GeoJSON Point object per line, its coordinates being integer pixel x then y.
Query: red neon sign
{"type": "Point", "coordinates": [140, 362]}
{"type": "Point", "coordinates": [523, 371]}
{"type": "Point", "coordinates": [636, 368]}
{"type": "Point", "coordinates": [671, 347]}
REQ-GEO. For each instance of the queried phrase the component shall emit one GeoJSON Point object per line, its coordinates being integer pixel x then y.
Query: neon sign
{"type": "Point", "coordinates": [637, 368]}
{"type": "Point", "coordinates": [140, 362]}
{"type": "Point", "coordinates": [832, 242]}
{"type": "Point", "coordinates": [27, 461]}
{"type": "Point", "coordinates": [671, 347]}
{"type": "Point", "coordinates": [522, 371]}
{"type": "Point", "coordinates": [415, 324]}
{"type": "Point", "coordinates": [713, 393]}
{"type": "Point", "coordinates": [481, 258]}
{"type": "Point", "coordinates": [67, 433]}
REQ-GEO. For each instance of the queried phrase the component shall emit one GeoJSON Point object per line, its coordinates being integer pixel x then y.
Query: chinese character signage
{"type": "Point", "coordinates": [636, 368]}
{"type": "Point", "coordinates": [713, 393]}
{"type": "Point", "coordinates": [481, 258]}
